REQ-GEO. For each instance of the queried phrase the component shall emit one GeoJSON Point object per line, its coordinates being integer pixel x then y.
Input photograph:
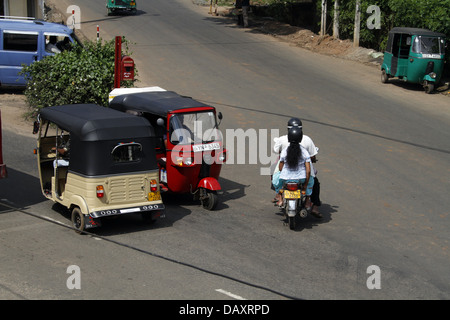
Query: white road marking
{"type": "Point", "coordinates": [232, 295]}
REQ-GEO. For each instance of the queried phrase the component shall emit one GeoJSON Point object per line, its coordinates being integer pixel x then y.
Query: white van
{"type": "Point", "coordinates": [26, 41]}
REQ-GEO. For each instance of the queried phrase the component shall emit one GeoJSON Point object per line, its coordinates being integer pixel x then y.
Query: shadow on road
{"type": "Point", "coordinates": [178, 206]}
{"type": "Point", "coordinates": [309, 222]}
{"type": "Point", "coordinates": [19, 190]}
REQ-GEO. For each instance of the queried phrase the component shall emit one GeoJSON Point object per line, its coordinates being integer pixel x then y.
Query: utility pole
{"type": "Point", "coordinates": [323, 23]}
{"type": "Point", "coordinates": [117, 61]}
{"type": "Point", "coordinates": [357, 23]}
{"type": "Point", "coordinates": [336, 20]}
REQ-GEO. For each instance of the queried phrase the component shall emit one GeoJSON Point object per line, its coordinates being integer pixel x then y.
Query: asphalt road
{"type": "Point", "coordinates": [383, 165]}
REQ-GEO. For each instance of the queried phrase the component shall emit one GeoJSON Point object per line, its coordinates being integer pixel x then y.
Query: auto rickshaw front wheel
{"type": "Point", "coordinates": [78, 220]}
{"type": "Point", "coordinates": [428, 87]}
{"type": "Point", "coordinates": [210, 200]}
{"type": "Point", "coordinates": [384, 76]}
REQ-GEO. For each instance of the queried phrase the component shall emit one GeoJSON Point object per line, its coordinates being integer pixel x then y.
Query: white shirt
{"type": "Point", "coordinates": [288, 173]}
{"type": "Point", "coordinates": [282, 143]}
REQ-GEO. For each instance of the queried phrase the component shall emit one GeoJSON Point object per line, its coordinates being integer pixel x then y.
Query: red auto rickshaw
{"type": "Point", "coordinates": [190, 149]}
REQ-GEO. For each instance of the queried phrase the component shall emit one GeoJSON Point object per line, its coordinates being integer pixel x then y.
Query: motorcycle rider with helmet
{"type": "Point", "coordinates": [282, 143]}
{"type": "Point", "coordinates": [295, 165]}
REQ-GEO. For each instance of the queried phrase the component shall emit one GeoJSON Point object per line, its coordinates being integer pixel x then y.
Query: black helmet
{"type": "Point", "coordinates": [294, 122]}
{"type": "Point", "coordinates": [295, 134]}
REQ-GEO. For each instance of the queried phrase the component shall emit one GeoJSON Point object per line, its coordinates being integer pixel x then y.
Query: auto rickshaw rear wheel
{"type": "Point", "coordinates": [210, 200]}
{"type": "Point", "coordinates": [78, 220]}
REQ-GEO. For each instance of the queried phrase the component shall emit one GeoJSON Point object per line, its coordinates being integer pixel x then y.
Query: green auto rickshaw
{"type": "Point", "coordinates": [414, 55]}
{"type": "Point", "coordinates": [113, 6]}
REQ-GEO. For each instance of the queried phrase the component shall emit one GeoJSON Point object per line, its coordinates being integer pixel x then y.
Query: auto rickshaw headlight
{"type": "Point", "coordinates": [100, 191]}
{"type": "Point", "coordinates": [184, 162]}
{"type": "Point", "coordinates": [222, 156]}
{"type": "Point", "coordinates": [432, 75]}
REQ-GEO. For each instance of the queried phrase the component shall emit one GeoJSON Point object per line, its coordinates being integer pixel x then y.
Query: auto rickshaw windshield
{"type": "Point", "coordinates": [429, 45]}
{"type": "Point", "coordinates": [188, 128]}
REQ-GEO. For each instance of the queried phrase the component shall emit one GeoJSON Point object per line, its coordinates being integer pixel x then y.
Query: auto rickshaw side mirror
{"type": "Point", "coordinates": [220, 116]}
{"type": "Point", "coordinates": [35, 127]}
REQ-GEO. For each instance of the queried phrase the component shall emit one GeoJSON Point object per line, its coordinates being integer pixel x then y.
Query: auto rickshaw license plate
{"type": "Point", "coordinates": [153, 196]}
{"type": "Point", "coordinates": [292, 194]}
{"type": "Point", "coordinates": [205, 147]}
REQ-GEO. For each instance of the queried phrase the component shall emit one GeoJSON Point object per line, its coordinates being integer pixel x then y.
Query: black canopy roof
{"type": "Point", "coordinates": [159, 103]}
{"type": "Point", "coordinates": [416, 31]}
{"type": "Point", "coordinates": [90, 122]}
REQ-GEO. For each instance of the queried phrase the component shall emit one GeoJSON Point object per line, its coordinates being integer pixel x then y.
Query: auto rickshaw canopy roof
{"type": "Point", "coordinates": [96, 131]}
{"type": "Point", "coordinates": [416, 31]}
{"type": "Point", "coordinates": [90, 122]}
{"type": "Point", "coordinates": [159, 103]}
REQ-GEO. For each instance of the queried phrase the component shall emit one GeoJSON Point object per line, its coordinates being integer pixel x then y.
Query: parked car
{"type": "Point", "coordinates": [26, 41]}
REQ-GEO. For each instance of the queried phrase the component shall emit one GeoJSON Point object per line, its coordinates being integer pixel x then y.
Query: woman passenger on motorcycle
{"type": "Point", "coordinates": [295, 165]}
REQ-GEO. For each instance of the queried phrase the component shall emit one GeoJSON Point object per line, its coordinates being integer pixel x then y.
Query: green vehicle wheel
{"type": "Point", "coordinates": [428, 87]}
{"type": "Point", "coordinates": [384, 76]}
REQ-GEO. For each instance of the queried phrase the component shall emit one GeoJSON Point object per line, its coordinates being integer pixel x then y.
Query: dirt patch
{"type": "Point", "coordinates": [13, 108]}
{"type": "Point", "coordinates": [305, 38]}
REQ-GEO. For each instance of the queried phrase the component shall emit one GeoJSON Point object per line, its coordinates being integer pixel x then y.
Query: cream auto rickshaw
{"type": "Point", "coordinates": [98, 162]}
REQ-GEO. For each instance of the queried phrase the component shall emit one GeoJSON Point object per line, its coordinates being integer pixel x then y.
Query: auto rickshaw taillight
{"type": "Point", "coordinates": [100, 192]}
{"type": "Point", "coordinates": [153, 185]}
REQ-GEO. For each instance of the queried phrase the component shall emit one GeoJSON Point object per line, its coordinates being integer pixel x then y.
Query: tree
{"type": "Point", "coordinates": [84, 74]}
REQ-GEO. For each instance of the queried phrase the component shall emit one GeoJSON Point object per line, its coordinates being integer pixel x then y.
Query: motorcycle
{"type": "Point", "coordinates": [294, 203]}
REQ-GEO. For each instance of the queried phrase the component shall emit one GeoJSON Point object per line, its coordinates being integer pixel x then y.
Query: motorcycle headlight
{"type": "Point", "coordinates": [432, 75]}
